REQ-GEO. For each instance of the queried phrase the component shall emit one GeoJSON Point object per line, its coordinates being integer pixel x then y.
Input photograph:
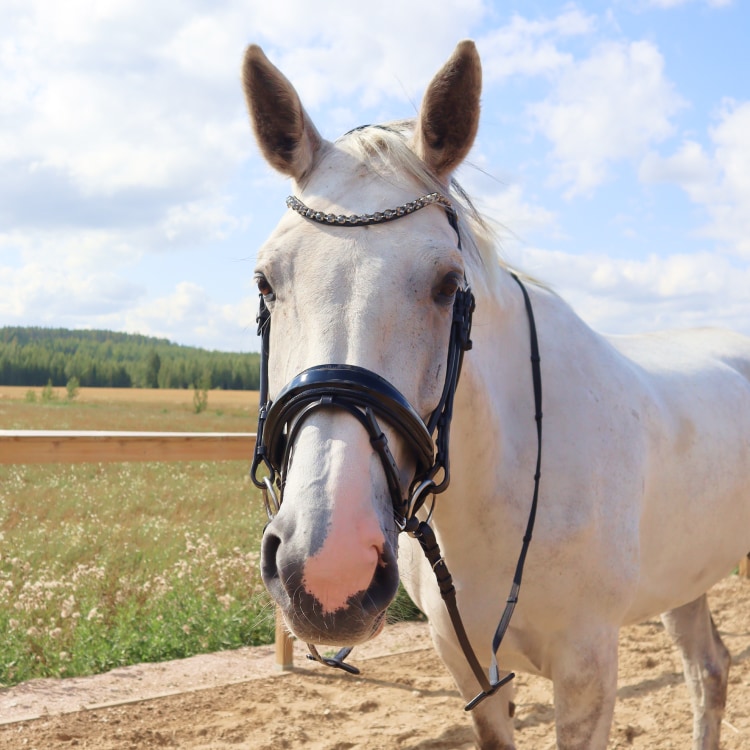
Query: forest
{"type": "Point", "coordinates": [34, 356]}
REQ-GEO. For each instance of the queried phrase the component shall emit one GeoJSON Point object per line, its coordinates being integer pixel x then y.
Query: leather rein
{"type": "Point", "coordinates": [367, 396]}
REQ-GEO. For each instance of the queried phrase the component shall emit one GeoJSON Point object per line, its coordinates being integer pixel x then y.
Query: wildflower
{"type": "Point", "coordinates": [226, 601]}
{"type": "Point", "coordinates": [55, 633]}
{"type": "Point", "coordinates": [186, 629]}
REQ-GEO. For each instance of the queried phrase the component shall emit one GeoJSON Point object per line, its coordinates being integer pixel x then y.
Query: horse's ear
{"type": "Point", "coordinates": [449, 116]}
{"type": "Point", "coordinates": [286, 135]}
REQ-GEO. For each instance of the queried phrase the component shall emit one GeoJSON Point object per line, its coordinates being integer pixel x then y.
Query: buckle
{"type": "Point", "coordinates": [463, 309]}
{"type": "Point", "coordinates": [474, 702]}
{"type": "Point", "coordinates": [337, 661]}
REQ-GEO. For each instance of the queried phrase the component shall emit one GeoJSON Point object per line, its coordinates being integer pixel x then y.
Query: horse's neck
{"type": "Point", "coordinates": [494, 413]}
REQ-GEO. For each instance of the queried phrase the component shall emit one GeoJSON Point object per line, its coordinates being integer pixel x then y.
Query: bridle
{"type": "Point", "coordinates": [363, 394]}
{"type": "Point", "coordinates": [368, 397]}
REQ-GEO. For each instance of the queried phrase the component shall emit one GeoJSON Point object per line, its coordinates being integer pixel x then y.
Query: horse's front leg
{"type": "Point", "coordinates": [493, 717]}
{"type": "Point", "coordinates": [584, 674]}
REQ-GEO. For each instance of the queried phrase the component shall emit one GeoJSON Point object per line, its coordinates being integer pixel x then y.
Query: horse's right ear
{"type": "Point", "coordinates": [286, 135]}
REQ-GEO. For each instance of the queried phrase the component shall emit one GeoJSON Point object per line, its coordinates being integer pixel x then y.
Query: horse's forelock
{"type": "Point", "coordinates": [385, 149]}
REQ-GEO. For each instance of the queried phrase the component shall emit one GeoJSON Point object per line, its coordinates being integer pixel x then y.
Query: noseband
{"type": "Point", "coordinates": [367, 397]}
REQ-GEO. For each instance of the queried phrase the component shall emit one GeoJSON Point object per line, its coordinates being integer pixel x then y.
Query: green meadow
{"type": "Point", "coordinates": [105, 565]}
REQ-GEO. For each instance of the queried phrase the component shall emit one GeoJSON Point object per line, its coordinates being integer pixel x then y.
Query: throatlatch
{"type": "Point", "coordinates": [367, 397]}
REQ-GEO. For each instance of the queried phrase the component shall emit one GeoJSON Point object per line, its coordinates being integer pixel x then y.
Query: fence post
{"type": "Point", "coordinates": [284, 644]}
{"type": "Point", "coordinates": [744, 567]}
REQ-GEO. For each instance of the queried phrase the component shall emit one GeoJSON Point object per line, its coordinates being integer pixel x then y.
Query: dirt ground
{"type": "Point", "coordinates": [404, 699]}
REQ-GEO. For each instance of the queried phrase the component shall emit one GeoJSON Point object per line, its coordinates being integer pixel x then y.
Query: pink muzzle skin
{"type": "Point", "coordinates": [345, 564]}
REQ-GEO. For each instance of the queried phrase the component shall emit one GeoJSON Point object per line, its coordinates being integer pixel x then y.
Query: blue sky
{"type": "Point", "coordinates": [614, 150]}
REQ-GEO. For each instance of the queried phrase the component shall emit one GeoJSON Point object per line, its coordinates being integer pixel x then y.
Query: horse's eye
{"type": "Point", "coordinates": [264, 287]}
{"type": "Point", "coordinates": [448, 287]}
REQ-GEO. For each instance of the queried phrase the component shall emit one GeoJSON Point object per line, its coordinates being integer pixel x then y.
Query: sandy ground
{"type": "Point", "coordinates": [404, 699]}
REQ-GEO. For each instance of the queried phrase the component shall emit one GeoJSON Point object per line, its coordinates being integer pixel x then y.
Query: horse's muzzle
{"type": "Point", "coordinates": [314, 605]}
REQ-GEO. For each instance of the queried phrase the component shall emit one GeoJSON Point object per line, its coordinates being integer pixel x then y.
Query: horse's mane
{"type": "Point", "coordinates": [386, 150]}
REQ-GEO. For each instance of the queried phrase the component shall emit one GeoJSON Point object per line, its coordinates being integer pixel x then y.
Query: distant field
{"type": "Point", "coordinates": [158, 410]}
{"type": "Point", "coordinates": [140, 395]}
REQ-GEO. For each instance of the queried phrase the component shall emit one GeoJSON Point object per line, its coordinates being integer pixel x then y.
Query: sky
{"type": "Point", "coordinates": [613, 151]}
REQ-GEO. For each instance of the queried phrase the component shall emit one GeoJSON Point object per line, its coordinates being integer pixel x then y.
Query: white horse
{"type": "Point", "coordinates": [644, 499]}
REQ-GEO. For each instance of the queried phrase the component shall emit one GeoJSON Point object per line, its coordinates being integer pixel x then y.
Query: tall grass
{"type": "Point", "coordinates": [107, 565]}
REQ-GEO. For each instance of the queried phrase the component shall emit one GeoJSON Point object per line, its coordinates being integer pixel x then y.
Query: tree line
{"type": "Point", "coordinates": [33, 356]}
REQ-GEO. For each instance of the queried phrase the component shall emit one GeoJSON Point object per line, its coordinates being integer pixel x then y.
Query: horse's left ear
{"type": "Point", "coordinates": [449, 116]}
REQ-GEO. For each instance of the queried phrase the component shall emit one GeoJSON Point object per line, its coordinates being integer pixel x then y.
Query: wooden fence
{"type": "Point", "coordinates": [53, 446]}
{"type": "Point", "coordinates": [50, 446]}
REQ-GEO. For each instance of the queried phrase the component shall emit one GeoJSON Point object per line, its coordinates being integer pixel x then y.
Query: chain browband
{"type": "Point", "coordinates": [367, 396]}
{"type": "Point", "coordinates": [361, 220]}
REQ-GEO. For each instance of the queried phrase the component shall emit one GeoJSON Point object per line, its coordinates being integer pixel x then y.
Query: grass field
{"type": "Point", "coordinates": [103, 565]}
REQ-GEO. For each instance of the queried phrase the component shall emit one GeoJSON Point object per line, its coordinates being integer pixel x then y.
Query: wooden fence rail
{"type": "Point", "coordinates": [53, 446]}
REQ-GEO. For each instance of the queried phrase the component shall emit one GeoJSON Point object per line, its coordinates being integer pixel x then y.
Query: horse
{"type": "Point", "coordinates": [640, 488]}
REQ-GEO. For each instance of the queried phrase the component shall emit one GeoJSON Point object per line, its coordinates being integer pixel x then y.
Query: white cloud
{"type": "Point", "coordinates": [57, 296]}
{"type": "Point", "coordinates": [530, 47]}
{"type": "Point", "coordinates": [632, 296]}
{"type": "Point", "coordinates": [609, 107]}
{"type": "Point", "coordinates": [64, 293]}
{"type": "Point", "coordinates": [516, 217]}
{"type": "Point", "coordinates": [78, 251]}
{"type": "Point", "coordinates": [98, 96]}
{"type": "Point", "coordinates": [188, 313]}
{"type": "Point", "coordinates": [719, 180]}
{"type": "Point", "coordinates": [103, 101]}
{"type": "Point", "coordinates": [690, 167]}
{"type": "Point", "coordinates": [207, 219]}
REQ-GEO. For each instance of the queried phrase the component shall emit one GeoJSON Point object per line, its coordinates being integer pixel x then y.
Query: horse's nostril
{"type": "Point", "coordinates": [384, 581]}
{"type": "Point", "coordinates": [269, 569]}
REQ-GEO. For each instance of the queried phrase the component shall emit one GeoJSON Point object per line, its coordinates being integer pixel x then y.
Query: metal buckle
{"type": "Point", "coordinates": [494, 687]}
{"type": "Point", "coordinates": [337, 661]}
{"type": "Point", "coordinates": [270, 500]}
{"type": "Point", "coordinates": [414, 503]}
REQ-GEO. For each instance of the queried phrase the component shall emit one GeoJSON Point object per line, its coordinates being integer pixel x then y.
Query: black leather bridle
{"type": "Point", "coordinates": [368, 397]}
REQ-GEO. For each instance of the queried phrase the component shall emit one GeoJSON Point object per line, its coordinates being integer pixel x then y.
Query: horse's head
{"type": "Point", "coordinates": [378, 298]}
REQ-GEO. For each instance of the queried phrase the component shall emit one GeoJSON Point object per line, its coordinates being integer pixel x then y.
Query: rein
{"type": "Point", "coordinates": [367, 397]}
